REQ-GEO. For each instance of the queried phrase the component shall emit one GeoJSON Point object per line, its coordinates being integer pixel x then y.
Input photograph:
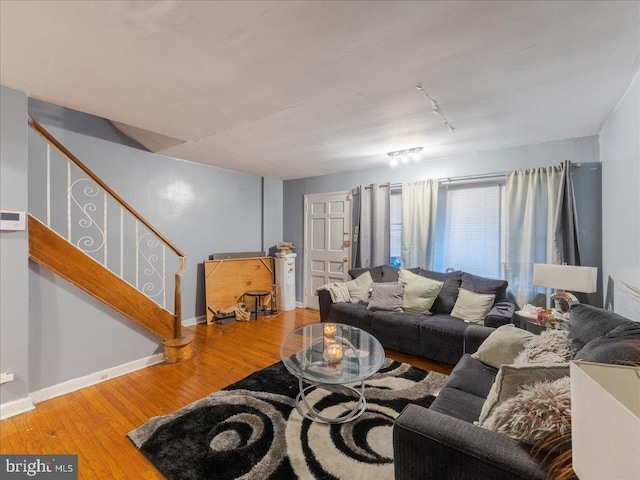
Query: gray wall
{"type": "Point", "coordinates": [585, 150]}
{"type": "Point", "coordinates": [14, 247]}
{"type": "Point", "coordinates": [620, 155]}
{"type": "Point", "coordinates": [71, 334]}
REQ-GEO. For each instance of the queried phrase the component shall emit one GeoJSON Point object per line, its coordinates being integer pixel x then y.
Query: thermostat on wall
{"type": "Point", "coordinates": [12, 220]}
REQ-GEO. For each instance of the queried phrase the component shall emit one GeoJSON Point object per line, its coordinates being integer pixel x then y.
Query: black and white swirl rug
{"type": "Point", "coordinates": [251, 430]}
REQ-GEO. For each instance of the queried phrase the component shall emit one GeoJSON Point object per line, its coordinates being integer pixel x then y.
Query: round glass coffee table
{"type": "Point", "coordinates": [325, 354]}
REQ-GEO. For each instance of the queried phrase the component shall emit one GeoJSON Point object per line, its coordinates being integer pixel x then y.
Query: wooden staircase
{"type": "Point", "coordinates": [54, 252]}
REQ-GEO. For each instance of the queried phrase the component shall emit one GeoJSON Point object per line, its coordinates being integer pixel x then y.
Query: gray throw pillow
{"type": "Point", "coordinates": [503, 346]}
{"type": "Point", "coordinates": [490, 286]}
{"type": "Point", "coordinates": [448, 295]}
{"type": "Point", "coordinates": [386, 296]}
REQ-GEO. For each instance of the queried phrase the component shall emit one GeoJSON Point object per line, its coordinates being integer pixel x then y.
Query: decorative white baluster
{"type": "Point", "coordinates": [121, 242]}
{"type": "Point", "coordinates": [137, 249]}
{"type": "Point", "coordinates": [164, 276]}
{"type": "Point", "coordinates": [48, 185]}
{"type": "Point", "coordinates": [104, 218]}
{"type": "Point", "coordinates": [68, 199]}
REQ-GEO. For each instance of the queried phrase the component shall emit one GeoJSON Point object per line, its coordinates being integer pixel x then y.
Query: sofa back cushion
{"type": "Point", "coordinates": [621, 346]}
{"type": "Point", "coordinates": [448, 295]}
{"type": "Point", "coordinates": [489, 286]}
{"type": "Point", "coordinates": [586, 323]}
{"type": "Point", "coordinates": [375, 272]}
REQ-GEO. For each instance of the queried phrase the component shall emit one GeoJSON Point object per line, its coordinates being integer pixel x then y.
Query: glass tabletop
{"type": "Point", "coordinates": [331, 353]}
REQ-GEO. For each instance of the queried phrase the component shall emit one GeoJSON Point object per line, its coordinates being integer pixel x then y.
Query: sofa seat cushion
{"type": "Point", "coordinates": [472, 376]}
{"type": "Point", "coordinates": [406, 324]}
{"type": "Point", "coordinates": [443, 329]}
{"type": "Point", "coordinates": [355, 314]}
{"type": "Point", "coordinates": [458, 404]}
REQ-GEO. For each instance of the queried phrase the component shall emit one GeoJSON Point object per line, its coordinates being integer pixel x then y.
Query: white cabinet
{"type": "Point", "coordinates": [286, 280]}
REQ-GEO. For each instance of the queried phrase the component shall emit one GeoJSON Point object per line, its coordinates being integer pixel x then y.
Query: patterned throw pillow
{"type": "Point", "coordinates": [538, 413]}
{"type": "Point", "coordinates": [551, 346]}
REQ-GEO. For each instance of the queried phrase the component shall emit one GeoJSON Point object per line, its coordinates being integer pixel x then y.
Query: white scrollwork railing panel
{"type": "Point", "coordinates": [87, 215]}
{"type": "Point", "coordinates": [72, 201]}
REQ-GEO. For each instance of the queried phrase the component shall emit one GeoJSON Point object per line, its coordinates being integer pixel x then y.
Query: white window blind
{"type": "Point", "coordinates": [396, 226]}
{"type": "Point", "coordinates": [468, 233]}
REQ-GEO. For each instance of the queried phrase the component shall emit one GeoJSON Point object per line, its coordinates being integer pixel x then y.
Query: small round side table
{"type": "Point", "coordinates": [258, 295]}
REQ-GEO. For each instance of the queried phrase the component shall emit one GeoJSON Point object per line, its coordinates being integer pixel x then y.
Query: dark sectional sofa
{"type": "Point", "coordinates": [441, 442]}
{"type": "Point", "coordinates": [439, 336]}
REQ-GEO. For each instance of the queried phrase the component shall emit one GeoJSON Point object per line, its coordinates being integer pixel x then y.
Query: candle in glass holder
{"type": "Point", "coordinates": [334, 353]}
{"type": "Point", "coordinates": [330, 330]}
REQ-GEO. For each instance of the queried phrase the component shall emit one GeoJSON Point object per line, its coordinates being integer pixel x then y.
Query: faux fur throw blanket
{"type": "Point", "coordinates": [338, 291]}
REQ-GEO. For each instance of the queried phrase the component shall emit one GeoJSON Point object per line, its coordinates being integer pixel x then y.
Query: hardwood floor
{"type": "Point", "coordinates": [94, 422]}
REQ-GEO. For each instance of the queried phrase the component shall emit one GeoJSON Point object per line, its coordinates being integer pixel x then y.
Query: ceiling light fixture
{"type": "Point", "coordinates": [405, 155]}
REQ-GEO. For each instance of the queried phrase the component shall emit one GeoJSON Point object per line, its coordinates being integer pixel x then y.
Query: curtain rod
{"type": "Point", "coordinates": [463, 178]}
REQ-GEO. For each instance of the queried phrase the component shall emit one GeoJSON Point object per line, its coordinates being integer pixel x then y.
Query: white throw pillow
{"type": "Point", "coordinates": [359, 288]}
{"type": "Point", "coordinates": [472, 307]}
{"type": "Point", "coordinates": [419, 292]}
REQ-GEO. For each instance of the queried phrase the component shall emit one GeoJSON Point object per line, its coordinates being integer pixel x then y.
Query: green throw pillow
{"type": "Point", "coordinates": [503, 345]}
{"type": "Point", "coordinates": [472, 307]}
{"type": "Point", "coordinates": [359, 288]}
{"type": "Point", "coordinates": [419, 292]}
{"type": "Point", "coordinates": [511, 377]}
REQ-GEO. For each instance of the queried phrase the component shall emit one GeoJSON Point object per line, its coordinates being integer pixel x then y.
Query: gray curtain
{"type": "Point", "coordinates": [374, 230]}
{"type": "Point", "coordinates": [565, 230]}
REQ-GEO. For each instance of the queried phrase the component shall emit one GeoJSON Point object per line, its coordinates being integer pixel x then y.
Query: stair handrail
{"type": "Point", "coordinates": [181, 256]}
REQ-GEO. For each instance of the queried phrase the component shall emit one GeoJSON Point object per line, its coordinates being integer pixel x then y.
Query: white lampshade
{"type": "Point", "coordinates": [566, 277]}
{"type": "Point", "coordinates": [605, 420]}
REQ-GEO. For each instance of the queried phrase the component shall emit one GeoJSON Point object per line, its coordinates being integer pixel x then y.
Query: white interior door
{"type": "Point", "coordinates": [327, 234]}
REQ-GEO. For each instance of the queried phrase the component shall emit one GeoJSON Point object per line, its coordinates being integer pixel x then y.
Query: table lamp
{"type": "Point", "coordinates": [565, 277]}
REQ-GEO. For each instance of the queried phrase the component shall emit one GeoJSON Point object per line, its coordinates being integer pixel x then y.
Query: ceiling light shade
{"type": "Point", "coordinates": [566, 277]}
{"type": "Point", "coordinates": [416, 155]}
{"type": "Point", "coordinates": [394, 161]}
{"type": "Point", "coordinates": [405, 158]}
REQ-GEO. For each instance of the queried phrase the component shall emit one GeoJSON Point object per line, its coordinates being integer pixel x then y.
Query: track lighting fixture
{"type": "Point", "coordinates": [405, 155]}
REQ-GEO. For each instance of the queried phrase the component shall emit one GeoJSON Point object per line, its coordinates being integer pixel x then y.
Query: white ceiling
{"type": "Point", "coordinates": [295, 89]}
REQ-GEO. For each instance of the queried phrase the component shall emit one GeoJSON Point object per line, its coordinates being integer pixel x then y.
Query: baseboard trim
{"type": "Point", "coordinates": [16, 407]}
{"type": "Point", "coordinates": [94, 378]}
{"type": "Point", "coordinates": [190, 322]}
{"type": "Point", "coordinates": [299, 304]}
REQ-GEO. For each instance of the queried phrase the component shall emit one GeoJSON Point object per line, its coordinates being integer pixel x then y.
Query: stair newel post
{"type": "Point", "coordinates": [177, 328]}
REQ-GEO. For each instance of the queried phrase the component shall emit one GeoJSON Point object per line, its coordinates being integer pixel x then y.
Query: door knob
{"type": "Point", "coordinates": [345, 259]}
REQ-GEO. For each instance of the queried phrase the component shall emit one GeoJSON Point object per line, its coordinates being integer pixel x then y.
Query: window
{"type": "Point", "coordinates": [395, 214]}
{"type": "Point", "coordinates": [469, 229]}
